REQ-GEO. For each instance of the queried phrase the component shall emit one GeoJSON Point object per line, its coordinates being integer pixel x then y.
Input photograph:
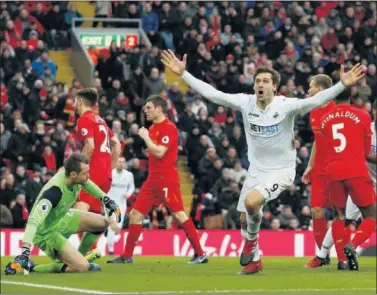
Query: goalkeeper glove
{"type": "Point", "coordinates": [111, 207]}
{"type": "Point", "coordinates": [20, 261]}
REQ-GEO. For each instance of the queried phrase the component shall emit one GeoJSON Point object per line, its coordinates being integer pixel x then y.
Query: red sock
{"type": "Point", "coordinates": [348, 233]}
{"type": "Point", "coordinates": [340, 238]}
{"type": "Point", "coordinates": [189, 228]}
{"type": "Point", "coordinates": [132, 238]}
{"type": "Point", "coordinates": [80, 235]}
{"type": "Point", "coordinates": [364, 231]}
{"type": "Point", "coordinates": [319, 229]}
{"type": "Point", "coordinates": [94, 245]}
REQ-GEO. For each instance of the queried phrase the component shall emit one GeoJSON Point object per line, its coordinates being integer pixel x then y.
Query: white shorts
{"type": "Point", "coordinates": [352, 211]}
{"type": "Point", "coordinates": [269, 183]}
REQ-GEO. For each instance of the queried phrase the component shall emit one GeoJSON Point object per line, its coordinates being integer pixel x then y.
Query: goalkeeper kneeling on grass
{"type": "Point", "coordinates": [52, 222]}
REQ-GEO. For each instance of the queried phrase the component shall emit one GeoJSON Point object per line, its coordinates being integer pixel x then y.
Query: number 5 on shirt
{"type": "Point", "coordinates": [336, 134]}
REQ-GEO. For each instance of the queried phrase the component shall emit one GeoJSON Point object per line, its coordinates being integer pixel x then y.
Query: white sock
{"type": "Point", "coordinates": [328, 242]}
{"type": "Point", "coordinates": [256, 253]}
{"type": "Point", "coordinates": [110, 240]}
{"type": "Point", "coordinates": [244, 233]}
{"type": "Point", "coordinates": [253, 224]}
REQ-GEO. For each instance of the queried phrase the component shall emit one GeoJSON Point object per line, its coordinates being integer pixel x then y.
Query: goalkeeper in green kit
{"type": "Point", "coordinates": [52, 221]}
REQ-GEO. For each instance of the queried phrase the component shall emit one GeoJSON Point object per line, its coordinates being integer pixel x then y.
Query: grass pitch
{"type": "Point", "coordinates": [164, 275]}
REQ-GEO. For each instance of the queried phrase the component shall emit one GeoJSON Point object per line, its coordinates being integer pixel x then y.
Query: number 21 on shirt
{"type": "Point", "coordinates": [105, 146]}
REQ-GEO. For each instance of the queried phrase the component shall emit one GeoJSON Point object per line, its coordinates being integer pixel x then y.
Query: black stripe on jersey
{"type": "Point", "coordinates": [53, 194]}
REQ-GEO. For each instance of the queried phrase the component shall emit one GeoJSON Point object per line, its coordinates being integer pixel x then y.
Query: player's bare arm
{"type": "Point", "coordinates": [115, 151]}
{"type": "Point", "coordinates": [88, 147]}
{"type": "Point", "coordinates": [179, 67]}
{"type": "Point", "coordinates": [157, 150]}
{"type": "Point", "coordinates": [306, 176]}
{"type": "Point", "coordinates": [347, 79]}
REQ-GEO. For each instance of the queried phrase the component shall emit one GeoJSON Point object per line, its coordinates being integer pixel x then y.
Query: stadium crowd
{"type": "Point", "coordinates": [225, 43]}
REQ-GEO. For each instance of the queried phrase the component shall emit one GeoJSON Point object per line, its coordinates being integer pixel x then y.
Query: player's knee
{"type": "Point", "coordinates": [180, 216]}
{"type": "Point", "coordinates": [81, 266]}
{"type": "Point", "coordinates": [81, 206]}
{"type": "Point", "coordinates": [136, 217]}
{"type": "Point", "coordinates": [318, 212]}
{"type": "Point", "coordinates": [253, 203]}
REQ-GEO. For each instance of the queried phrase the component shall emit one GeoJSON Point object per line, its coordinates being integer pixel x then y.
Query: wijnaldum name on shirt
{"type": "Point", "coordinates": [346, 114]}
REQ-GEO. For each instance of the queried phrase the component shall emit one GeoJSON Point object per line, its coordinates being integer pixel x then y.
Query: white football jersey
{"type": "Point", "coordinates": [122, 184]}
{"type": "Point", "coordinates": [269, 132]}
{"type": "Point", "coordinates": [372, 167]}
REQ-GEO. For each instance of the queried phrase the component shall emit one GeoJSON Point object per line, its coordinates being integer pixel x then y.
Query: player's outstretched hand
{"type": "Point", "coordinates": [306, 176]}
{"type": "Point", "coordinates": [173, 63]}
{"type": "Point", "coordinates": [143, 133]}
{"type": "Point", "coordinates": [352, 76]}
{"type": "Point", "coordinates": [111, 208]}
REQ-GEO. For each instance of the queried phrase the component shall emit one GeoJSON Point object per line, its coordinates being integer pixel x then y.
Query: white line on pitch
{"type": "Point", "coordinates": [88, 291]}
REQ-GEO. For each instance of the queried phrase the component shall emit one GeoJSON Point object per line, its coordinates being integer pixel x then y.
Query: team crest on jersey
{"type": "Point", "coordinates": [43, 207]}
{"type": "Point", "coordinates": [165, 139]}
{"type": "Point", "coordinates": [84, 131]}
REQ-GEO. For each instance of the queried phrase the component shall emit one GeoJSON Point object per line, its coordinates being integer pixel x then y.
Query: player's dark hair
{"type": "Point", "coordinates": [275, 74]}
{"type": "Point", "coordinates": [344, 96]}
{"type": "Point", "coordinates": [322, 81]}
{"type": "Point", "coordinates": [73, 163]}
{"type": "Point", "coordinates": [158, 101]}
{"type": "Point", "coordinates": [90, 96]}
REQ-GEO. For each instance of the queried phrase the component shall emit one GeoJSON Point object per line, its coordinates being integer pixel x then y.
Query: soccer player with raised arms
{"type": "Point", "coordinates": [52, 221]}
{"type": "Point", "coordinates": [269, 128]}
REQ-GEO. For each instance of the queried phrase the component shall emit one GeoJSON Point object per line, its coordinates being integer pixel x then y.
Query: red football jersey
{"type": "Point", "coordinates": [315, 122]}
{"type": "Point", "coordinates": [166, 134]}
{"type": "Point", "coordinates": [347, 136]}
{"type": "Point", "coordinates": [90, 125]}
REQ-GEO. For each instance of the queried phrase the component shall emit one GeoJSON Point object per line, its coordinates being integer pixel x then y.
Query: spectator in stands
{"type": "Point", "coordinates": [153, 84]}
{"type": "Point", "coordinates": [275, 224]}
{"type": "Point", "coordinates": [139, 175]}
{"type": "Point", "coordinates": [150, 23]}
{"type": "Point", "coordinates": [55, 27]}
{"type": "Point", "coordinates": [286, 216]}
{"type": "Point", "coordinates": [8, 190]}
{"type": "Point", "coordinates": [167, 21]}
{"type": "Point", "coordinates": [70, 14]}
{"type": "Point", "coordinates": [19, 211]}
{"type": "Point", "coordinates": [102, 10]}
{"type": "Point", "coordinates": [44, 61]}
{"type": "Point", "coordinates": [5, 136]}
{"type": "Point", "coordinates": [6, 220]}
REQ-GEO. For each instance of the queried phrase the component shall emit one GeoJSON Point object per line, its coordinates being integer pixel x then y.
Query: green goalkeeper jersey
{"type": "Point", "coordinates": [52, 204]}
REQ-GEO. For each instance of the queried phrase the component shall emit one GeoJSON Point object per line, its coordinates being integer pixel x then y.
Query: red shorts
{"type": "Point", "coordinates": [360, 189]}
{"type": "Point", "coordinates": [319, 197]}
{"type": "Point", "coordinates": [95, 205]}
{"type": "Point", "coordinates": [159, 189]}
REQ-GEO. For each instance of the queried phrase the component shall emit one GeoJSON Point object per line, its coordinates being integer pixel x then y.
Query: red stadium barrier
{"type": "Point", "coordinates": [216, 243]}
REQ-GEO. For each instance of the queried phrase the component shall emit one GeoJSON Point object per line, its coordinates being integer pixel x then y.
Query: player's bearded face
{"type": "Point", "coordinates": [264, 87]}
{"type": "Point", "coordinates": [83, 176]}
